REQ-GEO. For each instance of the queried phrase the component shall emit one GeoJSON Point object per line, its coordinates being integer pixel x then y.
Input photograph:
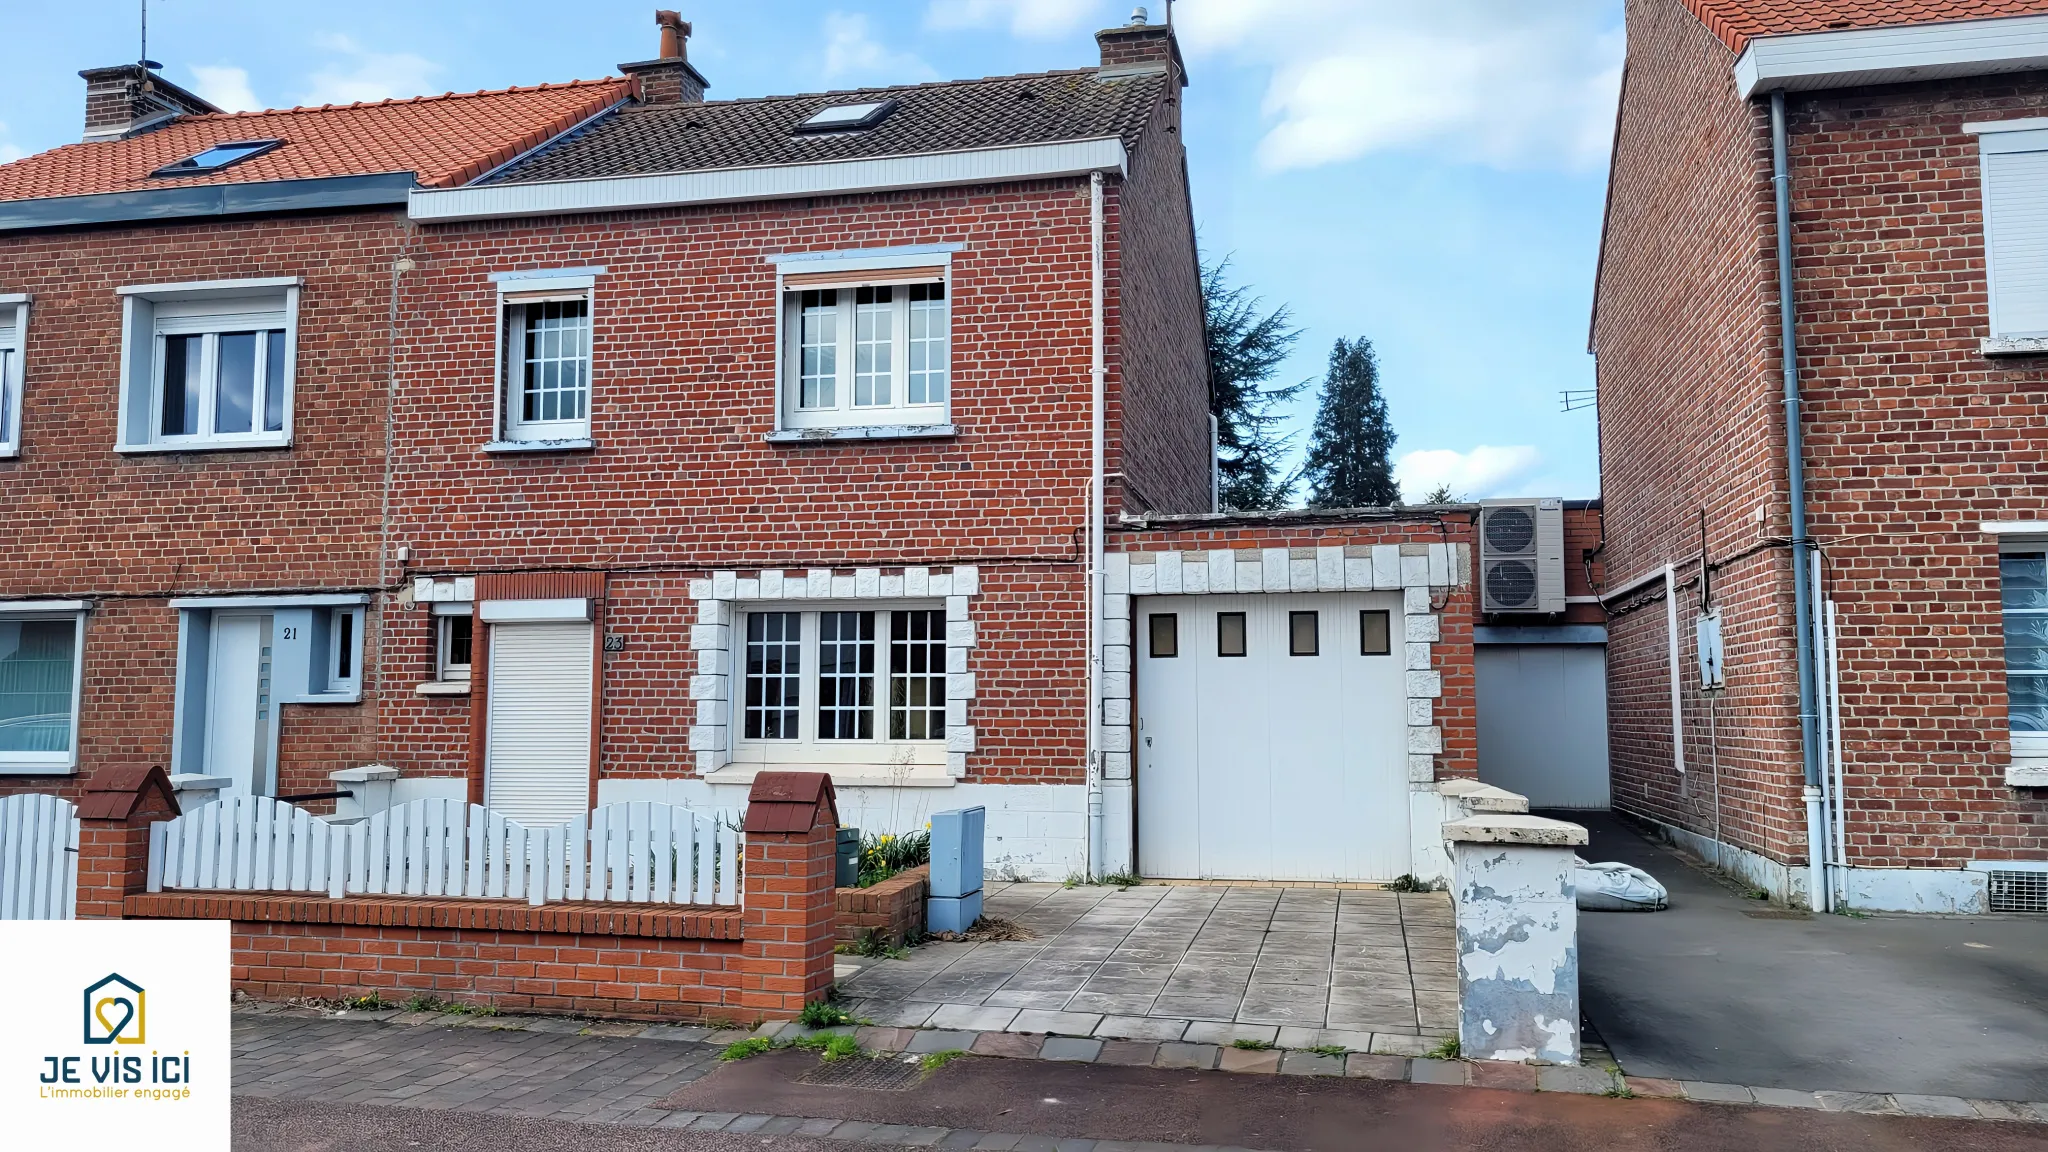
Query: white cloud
{"type": "Point", "coordinates": [853, 55]}
{"type": "Point", "coordinates": [1500, 82]}
{"type": "Point", "coordinates": [1483, 472]}
{"type": "Point", "coordinates": [1034, 19]}
{"type": "Point", "coordinates": [226, 87]}
{"type": "Point", "coordinates": [362, 75]}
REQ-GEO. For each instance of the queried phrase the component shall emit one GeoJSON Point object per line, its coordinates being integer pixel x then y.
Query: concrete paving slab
{"type": "Point", "coordinates": [1716, 1093]}
{"type": "Point", "coordinates": [1075, 1048]}
{"type": "Point", "coordinates": [972, 1017]}
{"type": "Point", "coordinates": [1141, 1028]}
{"type": "Point", "coordinates": [1242, 1060]}
{"type": "Point", "coordinates": [1311, 1064]}
{"type": "Point", "coordinates": [1176, 1054]}
{"type": "Point", "coordinates": [1917, 1104]}
{"type": "Point", "coordinates": [1365, 1066]}
{"type": "Point", "coordinates": [1436, 1071]}
{"type": "Point", "coordinates": [1211, 1032]}
{"type": "Point", "coordinates": [1057, 1023]}
{"type": "Point", "coordinates": [940, 1041]}
{"type": "Point", "coordinates": [1574, 1078]}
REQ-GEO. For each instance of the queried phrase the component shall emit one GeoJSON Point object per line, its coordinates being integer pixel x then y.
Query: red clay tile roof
{"type": "Point", "coordinates": [1736, 22]}
{"type": "Point", "coordinates": [444, 140]}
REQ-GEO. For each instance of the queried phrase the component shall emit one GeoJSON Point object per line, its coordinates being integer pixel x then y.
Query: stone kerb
{"type": "Point", "coordinates": [1518, 936]}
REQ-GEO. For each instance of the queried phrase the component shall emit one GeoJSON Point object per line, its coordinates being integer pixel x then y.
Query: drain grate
{"type": "Point", "coordinates": [2013, 890]}
{"type": "Point", "coordinates": [878, 1075]}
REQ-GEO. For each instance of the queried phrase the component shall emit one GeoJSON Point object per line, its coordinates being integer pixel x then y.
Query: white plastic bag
{"type": "Point", "coordinates": [1617, 887]}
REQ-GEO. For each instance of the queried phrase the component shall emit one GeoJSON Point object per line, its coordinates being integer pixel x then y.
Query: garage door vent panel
{"type": "Point", "coordinates": [2018, 891]}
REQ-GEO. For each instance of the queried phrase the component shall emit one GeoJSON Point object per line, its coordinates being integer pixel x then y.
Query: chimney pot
{"type": "Point", "coordinates": [668, 78]}
{"type": "Point", "coordinates": [1139, 16]}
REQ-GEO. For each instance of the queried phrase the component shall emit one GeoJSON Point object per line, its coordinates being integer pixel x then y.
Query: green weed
{"type": "Point", "coordinates": [933, 1061]}
{"type": "Point", "coordinates": [1253, 1045]}
{"type": "Point", "coordinates": [823, 1014]}
{"type": "Point", "coordinates": [1448, 1050]}
{"type": "Point", "coordinates": [746, 1049]}
{"type": "Point", "coordinates": [1329, 1050]}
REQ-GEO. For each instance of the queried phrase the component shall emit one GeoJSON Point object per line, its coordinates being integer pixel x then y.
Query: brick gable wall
{"type": "Point", "coordinates": [1911, 437]}
{"type": "Point", "coordinates": [1162, 440]}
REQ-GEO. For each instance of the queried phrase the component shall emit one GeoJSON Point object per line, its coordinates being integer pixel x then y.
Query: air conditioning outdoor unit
{"type": "Point", "coordinates": [1521, 556]}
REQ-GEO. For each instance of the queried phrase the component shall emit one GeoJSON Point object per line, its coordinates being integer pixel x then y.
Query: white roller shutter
{"type": "Point", "coordinates": [537, 758]}
{"type": "Point", "coordinates": [2016, 232]}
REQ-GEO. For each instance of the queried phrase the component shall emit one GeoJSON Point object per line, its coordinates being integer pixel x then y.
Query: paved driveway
{"type": "Point", "coordinates": [1953, 1006]}
{"type": "Point", "coordinates": [1163, 961]}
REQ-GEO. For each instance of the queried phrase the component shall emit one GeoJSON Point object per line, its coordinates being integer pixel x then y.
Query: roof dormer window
{"type": "Point", "coordinates": [217, 157]}
{"type": "Point", "coordinates": [848, 117]}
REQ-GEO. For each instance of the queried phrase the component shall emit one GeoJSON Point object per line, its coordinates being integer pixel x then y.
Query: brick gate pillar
{"type": "Point", "coordinates": [788, 901]}
{"type": "Point", "coordinates": [114, 817]}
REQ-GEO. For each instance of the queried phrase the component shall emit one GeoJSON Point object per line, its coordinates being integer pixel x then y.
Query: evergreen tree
{"type": "Point", "coordinates": [1350, 449]}
{"type": "Point", "coordinates": [1245, 348]}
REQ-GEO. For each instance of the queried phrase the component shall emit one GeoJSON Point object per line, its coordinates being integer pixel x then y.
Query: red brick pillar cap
{"type": "Point", "coordinates": [118, 793]}
{"type": "Point", "coordinates": [791, 802]}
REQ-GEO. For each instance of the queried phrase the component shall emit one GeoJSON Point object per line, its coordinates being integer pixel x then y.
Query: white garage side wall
{"type": "Point", "coordinates": [1417, 571]}
{"type": "Point", "coordinates": [1543, 722]}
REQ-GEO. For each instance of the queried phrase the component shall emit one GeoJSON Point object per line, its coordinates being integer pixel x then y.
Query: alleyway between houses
{"type": "Point", "coordinates": [1722, 988]}
{"type": "Point", "coordinates": [308, 1083]}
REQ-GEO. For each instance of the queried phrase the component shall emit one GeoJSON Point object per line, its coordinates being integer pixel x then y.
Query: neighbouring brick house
{"type": "Point", "coordinates": [727, 436]}
{"type": "Point", "coordinates": [1913, 142]}
{"type": "Point", "coordinates": [195, 357]}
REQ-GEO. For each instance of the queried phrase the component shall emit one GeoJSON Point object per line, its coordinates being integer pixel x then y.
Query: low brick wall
{"type": "Point", "coordinates": [894, 908]}
{"type": "Point", "coordinates": [687, 963]}
{"type": "Point", "coordinates": [763, 960]}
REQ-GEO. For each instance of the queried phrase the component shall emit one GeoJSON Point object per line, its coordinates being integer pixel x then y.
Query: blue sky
{"type": "Point", "coordinates": [1427, 175]}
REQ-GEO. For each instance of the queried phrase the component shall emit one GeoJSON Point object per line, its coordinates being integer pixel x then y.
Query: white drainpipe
{"type": "Point", "coordinates": [1095, 506]}
{"type": "Point", "coordinates": [1671, 629]}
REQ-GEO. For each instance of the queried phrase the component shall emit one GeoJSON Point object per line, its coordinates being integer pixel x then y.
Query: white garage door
{"type": "Point", "coordinates": [1285, 762]}
{"type": "Point", "coordinates": [1543, 722]}
{"type": "Point", "coordinates": [537, 752]}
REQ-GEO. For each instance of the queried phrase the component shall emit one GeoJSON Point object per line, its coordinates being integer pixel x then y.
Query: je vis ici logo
{"type": "Point", "coordinates": [115, 1011]}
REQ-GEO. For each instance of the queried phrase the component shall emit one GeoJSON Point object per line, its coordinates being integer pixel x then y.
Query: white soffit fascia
{"type": "Point", "coordinates": [780, 181]}
{"type": "Point", "coordinates": [533, 611]}
{"type": "Point", "coordinates": [203, 288]}
{"type": "Point", "coordinates": [899, 256]}
{"type": "Point", "coordinates": [45, 605]}
{"type": "Point", "coordinates": [2014, 527]}
{"type": "Point", "coordinates": [1857, 56]}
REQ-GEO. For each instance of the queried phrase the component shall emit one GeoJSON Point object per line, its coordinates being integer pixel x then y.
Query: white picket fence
{"type": "Point", "coordinates": [38, 858]}
{"type": "Point", "coordinates": [636, 852]}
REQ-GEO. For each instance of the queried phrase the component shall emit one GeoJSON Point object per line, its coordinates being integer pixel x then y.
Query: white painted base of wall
{"type": "Point", "coordinates": [407, 789]}
{"type": "Point", "coordinates": [1035, 831]}
{"type": "Point", "coordinates": [1428, 810]}
{"type": "Point", "coordinates": [1940, 891]}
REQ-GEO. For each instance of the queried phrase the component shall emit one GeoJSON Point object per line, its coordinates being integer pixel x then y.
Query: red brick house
{"type": "Point", "coordinates": [709, 437]}
{"type": "Point", "coordinates": [1895, 759]}
{"type": "Point", "coordinates": [195, 355]}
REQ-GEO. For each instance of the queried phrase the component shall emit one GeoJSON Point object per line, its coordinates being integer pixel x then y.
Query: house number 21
{"type": "Point", "coordinates": [291, 633]}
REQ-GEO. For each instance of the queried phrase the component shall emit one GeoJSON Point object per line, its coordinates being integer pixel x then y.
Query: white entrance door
{"type": "Point", "coordinates": [537, 748]}
{"type": "Point", "coordinates": [238, 705]}
{"type": "Point", "coordinates": [1288, 762]}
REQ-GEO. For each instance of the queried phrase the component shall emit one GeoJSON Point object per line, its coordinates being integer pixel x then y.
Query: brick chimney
{"type": "Point", "coordinates": [668, 78]}
{"type": "Point", "coordinates": [128, 98]}
{"type": "Point", "coordinates": [1141, 46]}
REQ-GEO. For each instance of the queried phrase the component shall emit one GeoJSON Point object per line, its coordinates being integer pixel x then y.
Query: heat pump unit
{"type": "Point", "coordinates": [1521, 556]}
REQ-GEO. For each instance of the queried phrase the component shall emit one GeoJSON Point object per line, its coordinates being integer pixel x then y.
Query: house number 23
{"type": "Point", "coordinates": [613, 642]}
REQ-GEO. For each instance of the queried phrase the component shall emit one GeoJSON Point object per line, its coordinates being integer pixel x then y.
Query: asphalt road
{"type": "Point", "coordinates": [1141, 1104]}
{"type": "Point", "coordinates": [1938, 1005]}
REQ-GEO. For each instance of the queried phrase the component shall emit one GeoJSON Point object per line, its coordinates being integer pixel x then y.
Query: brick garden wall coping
{"type": "Point", "coordinates": [697, 922]}
{"type": "Point", "coordinates": [894, 908]}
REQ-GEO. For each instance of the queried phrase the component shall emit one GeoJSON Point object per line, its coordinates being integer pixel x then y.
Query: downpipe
{"type": "Point", "coordinates": [1802, 545]}
{"type": "Point", "coordinates": [1095, 512]}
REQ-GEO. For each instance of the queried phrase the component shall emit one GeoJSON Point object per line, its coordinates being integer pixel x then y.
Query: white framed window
{"type": "Point", "coordinates": [452, 645]}
{"type": "Point", "coordinates": [208, 366]}
{"type": "Point", "coordinates": [2023, 595]}
{"type": "Point", "coordinates": [544, 360]}
{"type": "Point", "coordinates": [866, 349]}
{"type": "Point", "coordinates": [13, 370]}
{"type": "Point", "coordinates": [345, 650]}
{"type": "Point", "coordinates": [40, 677]}
{"type": "Point", "coordinates": [2013, 162]}
{"type": "Point", "coordinates": [849, 686]}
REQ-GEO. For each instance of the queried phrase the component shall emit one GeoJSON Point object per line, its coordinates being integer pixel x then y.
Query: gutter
{"type": "Point", "coordinates": [1802, 544]}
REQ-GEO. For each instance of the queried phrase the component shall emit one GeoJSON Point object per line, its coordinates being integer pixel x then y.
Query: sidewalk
{"type": "Point", "coordinates": [509, 1085]}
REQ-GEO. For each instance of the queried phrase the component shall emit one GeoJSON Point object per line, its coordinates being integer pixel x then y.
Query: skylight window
{"type": "Point", "coordinates": [217, 157]}
{"type": "Point", "coordinates": [848, 117]}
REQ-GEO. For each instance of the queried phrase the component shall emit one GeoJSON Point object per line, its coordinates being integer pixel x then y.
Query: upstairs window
{"type": "Point", "coordinates": [544, 397]}
{"type": "Point", "coordinates": [2014, 158]}
{"type": "Point", "coordinates": [867, 354]}
{"type": "Point", "coordinates": [13, 325]}
{"type": "Point", "coordinates": [208, 367]}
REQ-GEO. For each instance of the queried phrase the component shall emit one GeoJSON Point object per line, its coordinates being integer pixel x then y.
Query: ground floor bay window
{"type": "Point", "coordinates": [830, 687]}
{"type": "Point", "coordinates": [2023, 590]}
{"type": "Point", "coordinates": [39, 686]}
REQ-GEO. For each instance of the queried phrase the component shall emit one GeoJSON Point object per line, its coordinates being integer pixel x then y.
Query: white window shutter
{"type": "Point", "coordinates": [2016, 241]}
{"type": "Point", "coordinates": [537, 769]}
